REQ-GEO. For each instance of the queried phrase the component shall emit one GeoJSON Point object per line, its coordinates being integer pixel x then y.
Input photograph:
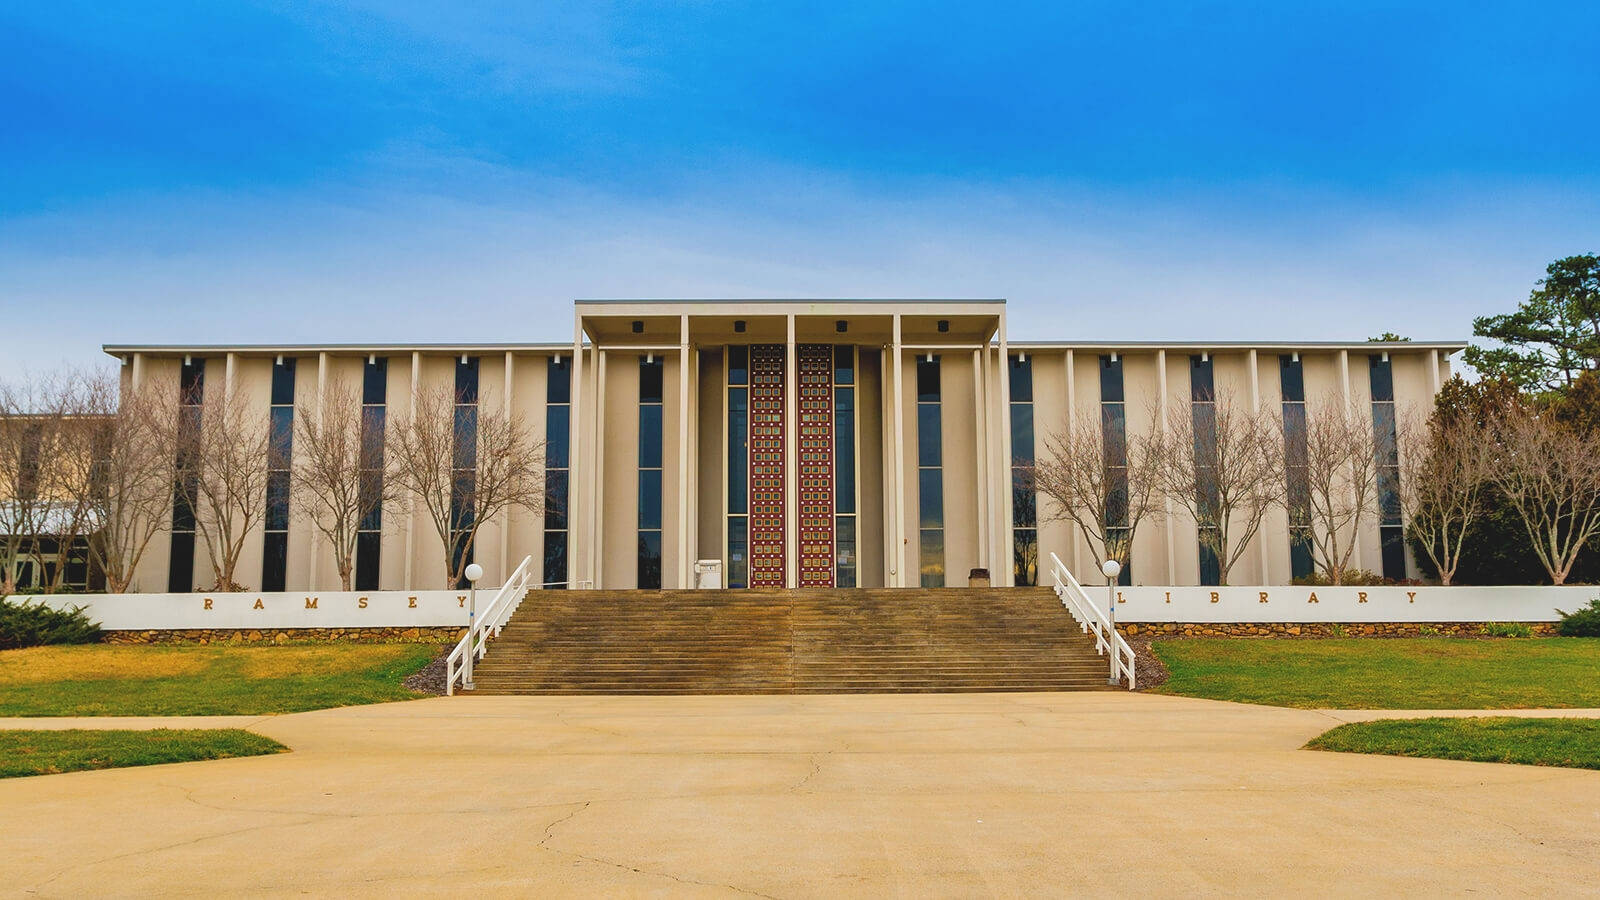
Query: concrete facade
{"type": "Point", "coordinates": [695, 343]}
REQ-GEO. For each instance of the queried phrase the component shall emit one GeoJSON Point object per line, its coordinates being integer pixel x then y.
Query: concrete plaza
{"type": "Point", "coordinates": [1099, 793]}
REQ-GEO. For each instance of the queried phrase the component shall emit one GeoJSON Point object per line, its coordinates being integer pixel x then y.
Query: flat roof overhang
{"type": "Point", "coordinates": [660, 322]}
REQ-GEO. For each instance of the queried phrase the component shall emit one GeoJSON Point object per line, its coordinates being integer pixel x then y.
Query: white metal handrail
{"type": "Point", "coordinates": [485, 625]}
{"type": "Point", "coordinates": [1094, 621]}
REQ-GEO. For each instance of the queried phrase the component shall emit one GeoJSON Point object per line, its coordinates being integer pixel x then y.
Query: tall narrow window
{"type": "Point", "coordinates": [1024, 505]}
{"type": "Point", "coordinates": [280, 450]}
{"type": "Point", "coordinates": [930, 473]}
{"type": "Point", "coordinates": [1390, 527]}
{"type": "Point", "coordinates": [557, 469]}
{"type": "Point", "coordinates": [374, 413]}
{"type": "Point", "coordinates": [1203, 410]}
{"type": "Point", "coordinates": [191, 392]}
{"type": "Point", "coordinates": [844, 465]}
{"type": "Point", "coordinates": [1297, 479]}
{"type": "Point", "coordinates": [1114, 444]}
{"type": "Point", "coordinates": [738, 467]}
{"type": "Point", "coordinates": [650, 466]}
{"type": "Point", "coordinates": [464, 467]}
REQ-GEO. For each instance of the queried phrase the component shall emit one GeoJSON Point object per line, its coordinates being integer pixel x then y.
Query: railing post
{"type": "Point", "coordinates": [473, 573]}
{"type": "Point", "coordinates": [1111, 569]}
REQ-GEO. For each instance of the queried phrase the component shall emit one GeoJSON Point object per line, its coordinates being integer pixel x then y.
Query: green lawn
{"type": "Point", "coordinates": [52, 752]}
{"type": "Point", "coordinates": [1533, 742]}
{"type": "Point", "coordinates": [194, 680]}
{"type": "Point", "coordinates": [1388, 673]}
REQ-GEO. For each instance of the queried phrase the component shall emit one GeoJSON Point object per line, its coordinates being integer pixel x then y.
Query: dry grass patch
{"type": "Point", "coordinates": [212, 679]}
{"type": "Point", "coordinates": [36, 665]}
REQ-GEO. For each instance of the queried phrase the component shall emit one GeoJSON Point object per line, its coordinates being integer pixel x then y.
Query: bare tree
{"type": "Point", "coordinates": [467, 466]}
{"type": "Point", "coordinates": [223, 447]}
{"type": "Point", "coordinates": [1550, 474]}
{"type": "Point", "coordinates": [23, 503]}
{"type": "Point", "coordinates": [339, 473]}
{"type": "Point", "coordinates": [1341, 472]}
{"type": "Point", "coordinates": [1101, 480]}
{"type": "Point", "coordinates": [129, 483]}
{"type": "Point", "coordinates": [1224, 464]}
{"type": "Point", "coordinates": [69, 432]}
{"type": "Point", "coordinates": [1446, 462]}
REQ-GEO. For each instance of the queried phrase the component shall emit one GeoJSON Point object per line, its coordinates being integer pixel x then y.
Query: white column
{"type": "Point", "coordinates": [1433, 371]}
{"type": "Point", "coordinates": [887, 463]}
{"type": "Point", "coordinates": [597, 529]}
{"type": "Point", "coordinates": [137, 376]}
{"type": "Point", "coordinates": [1255, 409]}
{"type": "Point", "coordinates": [505, 523]}
{"type": "Point", "coordinates": [320, 410]}
{"type": "Point", "coordinates": [899, 456]}
{"type": "Point", "coordinates": [1003, 426]}
{"type": "Point", "coordinates": [1071, 423]}
{"type": "Point", "coordinates": [1344, 387]}
{"type": "Point", "coordinates": [576, 465]}
{"type": "Point", "coordinates": [227, 380]}
{"type": "Point", "coordinates": [1163, 400]}
{"type": "Point", "coordinates": [980, 421]}
{"type": "Point", "coordinates": [685, 569]}
{"type": "Point", "coordinates": [791, 456]}
{"type": "Point", "coordinates": [411, 505]}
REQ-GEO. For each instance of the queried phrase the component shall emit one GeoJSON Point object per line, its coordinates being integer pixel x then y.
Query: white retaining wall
{"type": "Point", "coordinates": [327, 609]}
{"type": "Point", "coordinates": [1279, 603]}
{"type": "Point", "coordinates": [1274, 603]}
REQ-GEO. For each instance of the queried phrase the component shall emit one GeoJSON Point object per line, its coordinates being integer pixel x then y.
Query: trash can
{"type": "Point", "coordinates": [708, 574]}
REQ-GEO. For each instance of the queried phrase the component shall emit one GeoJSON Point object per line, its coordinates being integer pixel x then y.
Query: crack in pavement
{"type": "Point", "coordinates": [549, 833]}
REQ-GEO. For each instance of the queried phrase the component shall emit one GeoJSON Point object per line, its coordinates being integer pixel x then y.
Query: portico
{"type": "Point", "coordinates": [801, 443]}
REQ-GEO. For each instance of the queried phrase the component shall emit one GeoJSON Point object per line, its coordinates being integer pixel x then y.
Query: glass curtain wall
{"type": "Point", "coordinates": [1293, 388]}
{"type": "Point", "coordinates": [180, 559]}
{"type": "Point", "coordinates": [650, 466]}
{"type": "Point", "coordinates": [280, 451]}
{"type": "Point", "coordinates": [1390, 527]}
{"type": "Point", "coordinates": [1024, 503]}
{"type": "Point", "coordinates": [1203, 410]}
{"type": "Point", "coordinates": [374, 415]}
{"type": "Point", "coordinates": [930, 473]}
{"type": "Point", "coordinates": [1114, 447]}
{"type": "Point", "coordinates": [738, 467]}
{"type": "Point", "coordinates": [558, 469]}
{"type": "Point", "coordinates": [464, 467]}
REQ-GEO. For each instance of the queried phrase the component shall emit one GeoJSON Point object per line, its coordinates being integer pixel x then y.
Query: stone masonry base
{"type": "Point", "coordinates": [1315, 629]}
{"type": "Point", "coordinates": [438, 634]}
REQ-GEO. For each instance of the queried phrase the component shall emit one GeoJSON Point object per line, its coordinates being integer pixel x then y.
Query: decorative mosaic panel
{"type": "Point", "coordinates": [767, 549]}
{"type": "Point", "coordinates": [815, 481]}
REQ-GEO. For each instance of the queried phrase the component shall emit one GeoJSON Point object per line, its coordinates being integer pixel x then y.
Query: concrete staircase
{"type": "Point", "coordinates": [808, 641]}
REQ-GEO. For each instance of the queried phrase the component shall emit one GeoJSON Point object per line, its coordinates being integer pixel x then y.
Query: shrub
{"type": "Point", "coordinates": [1353, 578]}
{"type": "Point", "coordinates": [1583, 622]}
{"type": "Point", "coordinates": [34, 624]}
{"type": "Point", "coordinates": [1506, 630]}
{"type": "Point", "coordinates": [1429, 631]}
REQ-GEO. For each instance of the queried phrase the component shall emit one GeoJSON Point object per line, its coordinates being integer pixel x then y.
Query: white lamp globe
{"type": "Point", "coordinates": [474, 572]}
{"type": "Point", "coordinates": [1110, 568]}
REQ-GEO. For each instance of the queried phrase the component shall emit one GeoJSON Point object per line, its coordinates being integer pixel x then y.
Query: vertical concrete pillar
{"type": "Point", "coordinates": [1071, 423]}
{"type": "Point", "coordinates": [1255, 409]}
{"type": "Point", "coordinates": [980, 421]}
{"type": "Point", "coordinates": [319, 411]}
{"type": "Point", "coordinates": [1003, 425]}
{"type": "Point", "coordinates": [1163, 398]}
{"type": "Point", "coordinates": [685, 570]}
{"type": "Point", "coordinates": [897, 571]}
{"type": "Point", "coordinates": [1344, 387]}
{"type": "Point", "coordinates": [411, 502]}
{"type": "Point", "coordinates": [577, 469]}
{"type": "Point", "coordinates": [505, 521]}
{"type": "Point", "coordinates": [596, 525]}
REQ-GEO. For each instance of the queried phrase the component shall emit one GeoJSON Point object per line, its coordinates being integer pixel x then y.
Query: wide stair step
{"type": "Point", "coordinates": [805, 641]}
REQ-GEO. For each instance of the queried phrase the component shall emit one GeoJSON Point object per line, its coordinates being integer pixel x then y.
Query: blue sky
{"type": "Point", "coordinates": [209, 172]}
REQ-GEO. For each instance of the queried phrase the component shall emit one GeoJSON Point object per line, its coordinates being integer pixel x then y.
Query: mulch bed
{"type": "Point", "coordinates": [430, 679]}
{"type": "Point", "coordinates": [1147, 667]}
